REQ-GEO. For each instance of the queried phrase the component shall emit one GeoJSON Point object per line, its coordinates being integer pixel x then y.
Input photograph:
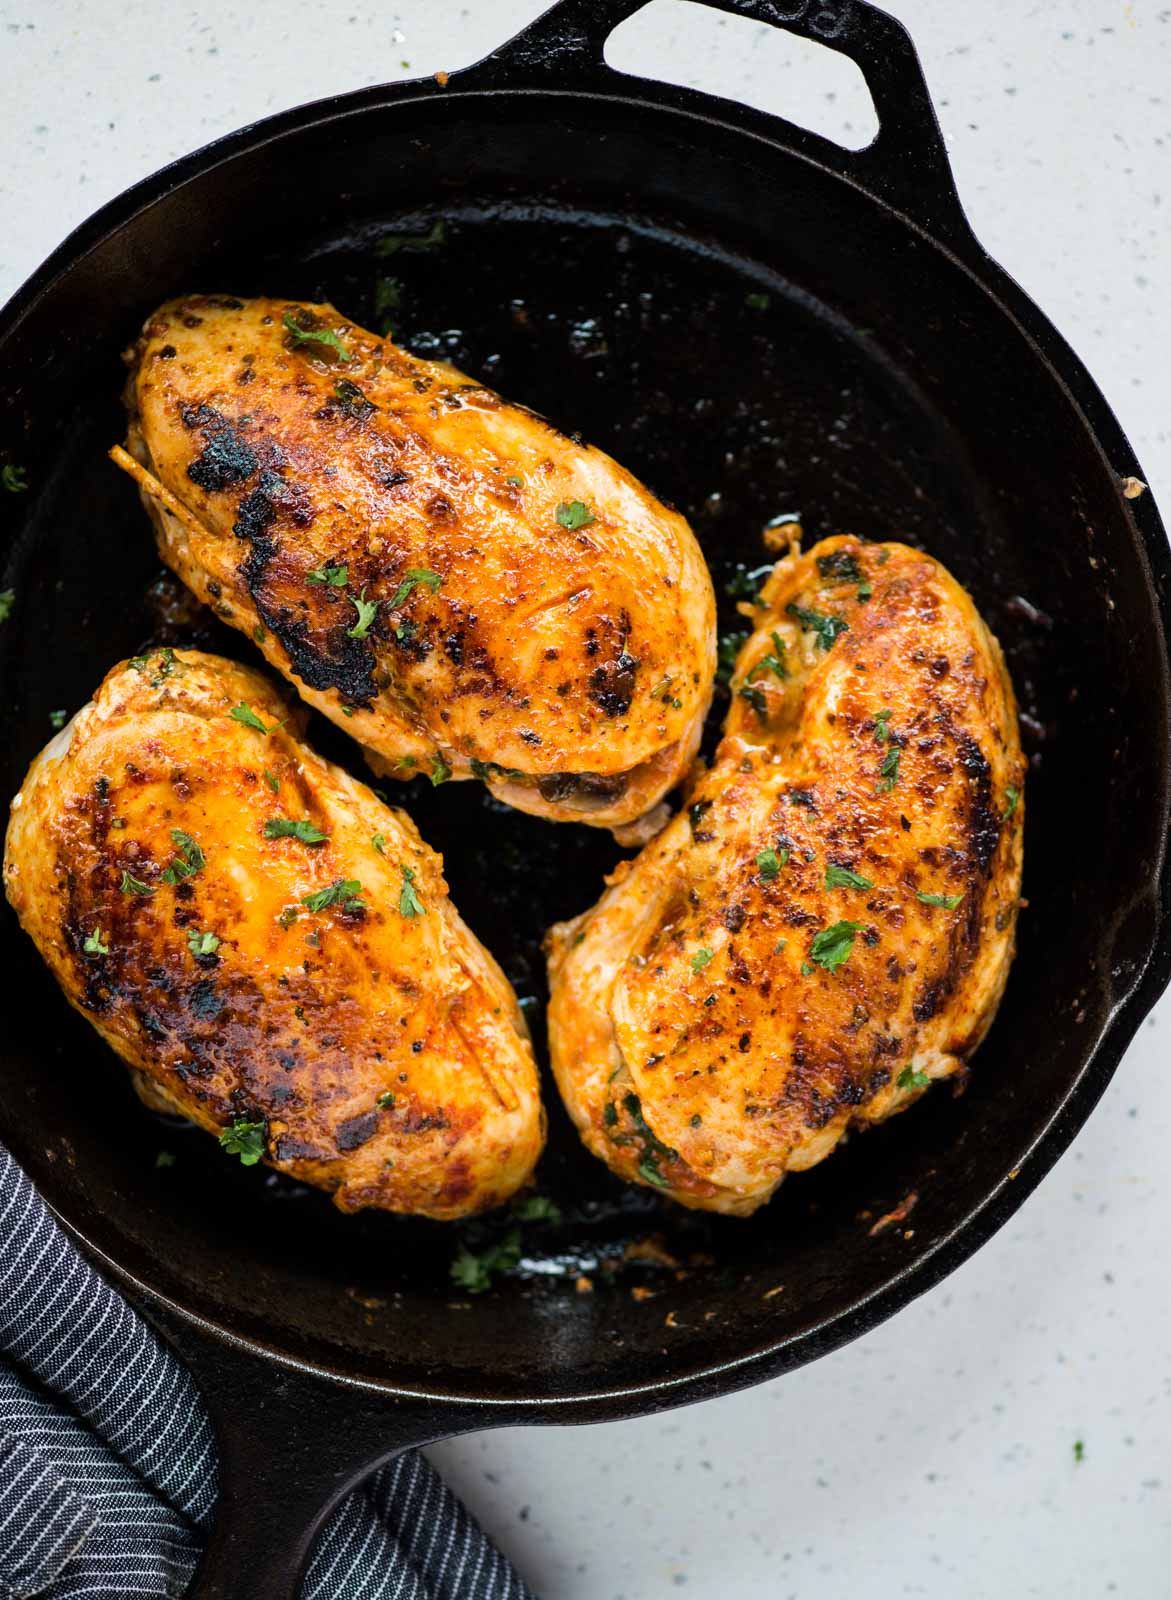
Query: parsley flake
{"type": "Point", "coordinates": [94, 943]}
{"type": "Point", "coordinates": [385, 1100]}
{"type": "Point", "coordinates": [726, 652]}
{"type": "Point", "coordinates": [323, 336]}
{"type": "Point", "coordinates": [345, 892]}
{"type": "Point", "coordinates": [770, 863]}
{"type": "Point", "coordinates": [882, 726]}
{"type": "Point", "coordinates": [948, 901]}
{"type": "Point", "coordinates": [411, 579]}
{"type": "Point", "coordinates": [14, 478]}
{"type": "Point", "coordinates": [244, 1139]}
{"type": "Point", "coordinates": [273, 782]}
{"type": "Point", "coordinates": [700, 959]}
{"type": "Point", "coordinates": [756, 698]}
{"type": "Point", "coordinates": [827, 628]}
{"type": "Point", "coordinates": [536, 1208]}
{"type": "Point", "coordinates": [745, 583]}
{"type": "Point", "coordinates": [132, 885]}
{"type": "Point", "coordinates": [7, 601]}
{"type": "Point", "coordinates": [911, 1078]}
{"type": "Point", "coordinates": [202, 944]}
{"type": "Point", "coordinates": [335, 577]}
{"type": "Point", "coordinates": [1012, 795]}
{"type": "Point", "coordinates": [574, 514]}
{"type": "Point", "coordinates": [757, 301]}
{"type": "Point", "coordinates": [189, 860]}
{"type": "Point", "coordinates": [367, 611]}
{"type": "Point", "coordinates": [888, 772]}
{"type": "Point", "coordinates": [843, 878]}
{"type": "Point", "coordinates": [831, 947]}
{"type": "Point", "coordinates": [391, 243]}
{"type": "Point", "coordinates": [440, 771]}
{"type": "Point", "coordinates": [248, 717]}
{"type": "Point", "coordinates": [774, 662]}
{"type": "Point", "coordinates": [378, 840]}
{"type": "Point", "coordinates": [58, 719]}
{"type": "Point", "coordinates": [287, 828]}
{"type": "Point", "coordinates": [409, 904]}
{"type": "Point", "coordinates": [473, 1271]}
{"type": "Point", "coordinates": [840, 564]}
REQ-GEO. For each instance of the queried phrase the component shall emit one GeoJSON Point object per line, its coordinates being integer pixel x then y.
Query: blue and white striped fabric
{"type": "Point", "coordinates": [108, 1467]}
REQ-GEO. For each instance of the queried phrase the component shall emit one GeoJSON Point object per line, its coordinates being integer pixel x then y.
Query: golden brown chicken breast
{"type": "Point", "coordinates": [829, 925]}
{"type": "Point", "coordinates": [458, 585]}
{"type": "Point", "coordinates": [270, 948]}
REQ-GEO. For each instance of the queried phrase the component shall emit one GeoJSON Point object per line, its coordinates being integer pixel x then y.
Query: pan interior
{"type": "Point", "coordinates": [773, 351]}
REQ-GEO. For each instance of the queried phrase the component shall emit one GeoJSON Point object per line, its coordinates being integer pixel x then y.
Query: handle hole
{"type": "Point", "coordinates": [696, 47]}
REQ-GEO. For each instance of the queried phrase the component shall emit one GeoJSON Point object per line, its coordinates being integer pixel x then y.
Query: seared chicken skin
{"type": "Point", "coordinates": [462, 588]}
{"type": "Point", "coordinates": [829, 925]}
{"type": "Point", "coordinates": [269, 947]}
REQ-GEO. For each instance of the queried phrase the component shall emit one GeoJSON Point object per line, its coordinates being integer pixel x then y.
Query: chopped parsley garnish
{"type": "Point", "coordinates": [487, 770]}
{"type": "Point", "coordinates": [726, 652]}
{"type": "Point", "coordinates": [132, 885]}
{"type": "Point", "coordinates": [260, 633]}
{"type": "Point", "coordinates": [164, 664]}
{"type": "Point", "coordinates": [842, 878]}
{"type": "Point", "coordinates": [244, 1139]}
{"type": "Point", "coordinates": [314, 336]}
{"type": "Point", "coordinates": [367, 611]}
{"type": "Point", "coordinates": [826, 628]}
{"type": "Point", "coordinates": [385, 1100]}
{"type": "Point", "coordinates": [287, 828]}
{"type": "Point", "coordinates": [654, 1150]}
{"type": "Point", "coordinates": [648, 1168]}
{"type": "Point", "coordinates": [7, 601]}
{"type": "Point", "coordinates": [865, 590]}
{"type": "Point", "coordinates": [378, 840]}
{"type": "Point", "coordinates": [745, 584]}
{"type": "Point", "coordinates": [757, 301]}
{"type": "Point", "coordinates": [1012, 795]}
{"type": "Point", "coordinates": [911, 1078]}
{"type": "Point", "coordinates": [388, 297]}
{"type": "Point", "coordinates": [840, 564]}
{"type": "Point", "coordinates": [515, 479]}
{"type": "Point", "coordinates": [473, 1270]}
{"type": "Point", "coordinates": [189, 860]}
{"type": "Point", "coordinates": [770, 862]}
{"type": "Point", "coordinates": [575, 514]}
{"type": "Point", "coordinates": [948, 901]}
{"type": "Point", "coordinates": [409, 904]}
{"type": "Point", "coordinates": [831, 947]}
{"type": "Point", "coordinates": [536, 1208]}
{"type": "Point", "coordinates": [163, 1160]}
{"type": "Point", "coordinates": [14, 478]}
{"type": "Point", "coordinates": [882, 726]}
{"type": "Point", "coordinates": [345, 892]}
{"type": "Point", "coordinates": [202, 944]}
{"type": "Point", "coordinates": [888, 772]}
{"type": "Point", "coordinates": [248, 717]}
{"type": "Point", "coordinates": [335, 577]}
{"type": "Point", "coordinates": [440, 771]}
{"type": "Point", "coordinates": [1079, 1450]}
{"type": "Point", "coordinates": [58, 719]}
{"type": "Point", "coordinates": [774, 662]}
{"type": "Point", "coordinates": [273, 782]}
{"type": "Point", "coordinates": [391, 243]}
{"type": "Point", "coordinates": [411, 578]}
{"type": "Point", "coordinates": [288, 916]}
{"type": "Point", "coordinates": [700, 959]}
{"type": "Point", "coordinates": [94, 944]}
{"type": "Point", "coordinates": [756, 698]}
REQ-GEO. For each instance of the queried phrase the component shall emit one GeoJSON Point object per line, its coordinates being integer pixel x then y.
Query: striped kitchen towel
{"type": "Point", "coordinates": [107, 1460]}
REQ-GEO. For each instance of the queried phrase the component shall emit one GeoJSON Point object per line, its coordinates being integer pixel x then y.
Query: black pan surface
{"type": "Point", "coordinates": [724, 304]}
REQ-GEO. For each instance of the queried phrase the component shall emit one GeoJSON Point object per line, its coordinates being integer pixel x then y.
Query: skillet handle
{"type": "Point", "coordinates": [291, 1444]}
{"type": "Point", "coordinates": [905, 165]}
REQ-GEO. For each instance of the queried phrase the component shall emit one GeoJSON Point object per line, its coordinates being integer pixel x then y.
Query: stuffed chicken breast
{"type": "Point", "coordinates": [828, 926]}
{"type": "Point", "coordinates": [461, 587]}
{"type": "Point", "coordinates": [269, 948]}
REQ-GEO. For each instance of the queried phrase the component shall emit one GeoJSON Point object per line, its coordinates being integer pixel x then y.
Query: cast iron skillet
{"type": "Point", "coordinates": [757, 322]}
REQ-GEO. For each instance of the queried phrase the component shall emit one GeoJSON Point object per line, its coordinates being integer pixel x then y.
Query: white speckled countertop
{"type": "Point", "coordinates": [937, 1456]}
